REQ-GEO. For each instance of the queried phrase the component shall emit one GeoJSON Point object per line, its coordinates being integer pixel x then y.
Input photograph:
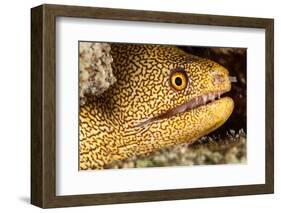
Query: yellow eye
{"type": "Point", "coordinates": [179, 80]}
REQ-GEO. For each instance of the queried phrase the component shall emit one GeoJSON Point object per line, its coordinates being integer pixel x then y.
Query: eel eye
{"type": "Point", "coordinates": [178, 80]}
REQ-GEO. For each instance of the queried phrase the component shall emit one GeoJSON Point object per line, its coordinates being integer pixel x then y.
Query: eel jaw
{"type": "Point", "coordinates": [192, 104]}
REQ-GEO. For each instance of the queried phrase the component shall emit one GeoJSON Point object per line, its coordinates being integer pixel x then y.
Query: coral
{"type": "Point", "coordinates": [96, 74]}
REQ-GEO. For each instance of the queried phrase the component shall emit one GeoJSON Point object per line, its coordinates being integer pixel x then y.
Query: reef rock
{"type": "Point", "coordinates": [96, 74]}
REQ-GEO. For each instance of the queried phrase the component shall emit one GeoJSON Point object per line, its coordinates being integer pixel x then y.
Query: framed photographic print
{"type": "Point", "coordinates": [136, 106]}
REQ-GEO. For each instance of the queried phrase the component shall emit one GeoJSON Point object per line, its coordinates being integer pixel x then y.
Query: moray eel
{"type": "Point", "coordinates": [163, 96]}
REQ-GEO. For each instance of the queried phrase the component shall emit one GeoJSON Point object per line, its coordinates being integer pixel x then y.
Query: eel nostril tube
{"type": "Point", "coordinates": [232, 79]}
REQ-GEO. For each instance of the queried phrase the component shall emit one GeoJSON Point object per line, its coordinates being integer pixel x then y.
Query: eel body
{"type": "Point", "coordinates": [163, 96]}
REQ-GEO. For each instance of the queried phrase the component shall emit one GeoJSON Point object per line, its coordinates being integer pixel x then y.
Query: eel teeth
{"type": "Point", "coordinates": [193, 103]}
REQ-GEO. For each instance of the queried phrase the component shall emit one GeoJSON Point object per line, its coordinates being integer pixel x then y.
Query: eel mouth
{"type": "Point", "coordinates": [187, 106]}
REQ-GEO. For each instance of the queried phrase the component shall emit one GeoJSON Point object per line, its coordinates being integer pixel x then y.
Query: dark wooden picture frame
{"type": "Point", "coordinates": [43, 105]}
